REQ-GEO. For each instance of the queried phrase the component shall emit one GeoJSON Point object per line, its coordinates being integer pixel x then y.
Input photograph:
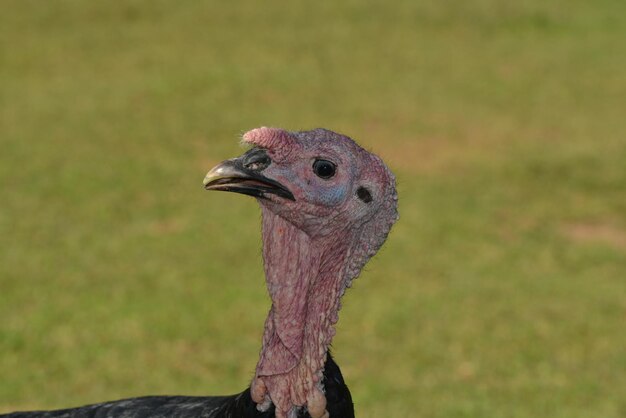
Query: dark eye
{"type": "Point", "coordinates": [324, 168]}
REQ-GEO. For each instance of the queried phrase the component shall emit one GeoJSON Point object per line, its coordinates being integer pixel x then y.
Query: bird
{"type": "Point", "coordinates": [327, 207]}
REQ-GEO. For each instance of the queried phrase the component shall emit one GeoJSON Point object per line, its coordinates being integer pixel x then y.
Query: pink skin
{"type": "Point", "coordinates": [313, 248]}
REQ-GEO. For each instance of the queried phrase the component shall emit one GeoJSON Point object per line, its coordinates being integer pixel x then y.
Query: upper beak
{"type": "Point", "coordinates": [233, 176]}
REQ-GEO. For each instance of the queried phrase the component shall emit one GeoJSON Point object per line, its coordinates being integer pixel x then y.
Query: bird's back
{"type": "Point", "coordinates": [234, 406]}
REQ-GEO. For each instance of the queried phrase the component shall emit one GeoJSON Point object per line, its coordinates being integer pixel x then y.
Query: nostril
{"type": "Point", "coordinates": [256, 159]}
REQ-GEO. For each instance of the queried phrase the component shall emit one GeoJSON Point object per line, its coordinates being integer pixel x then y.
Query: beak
{"type": "Point", "coordinates": [241, 175]}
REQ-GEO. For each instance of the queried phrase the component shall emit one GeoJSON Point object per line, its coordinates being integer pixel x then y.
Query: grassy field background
{"type": "Point", "coordinates": [500, 293]}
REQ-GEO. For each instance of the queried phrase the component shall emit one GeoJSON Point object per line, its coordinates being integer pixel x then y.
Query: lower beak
{"type": "Point", "coordinates": [232, 176]}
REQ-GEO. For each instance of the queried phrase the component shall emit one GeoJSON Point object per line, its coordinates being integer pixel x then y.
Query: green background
{"type": "Point", "coordinates": [501, 292]}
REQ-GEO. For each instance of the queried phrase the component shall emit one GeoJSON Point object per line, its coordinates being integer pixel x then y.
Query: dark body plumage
{"type": "Point", "coordinates": [235, 406]}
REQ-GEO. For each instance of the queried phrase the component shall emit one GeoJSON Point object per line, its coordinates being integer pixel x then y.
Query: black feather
{"type": "Point", "coordinates": [339, 404]}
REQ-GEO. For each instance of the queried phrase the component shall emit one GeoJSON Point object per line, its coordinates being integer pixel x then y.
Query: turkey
{"type": "Point", "coordinates": [327, 207]}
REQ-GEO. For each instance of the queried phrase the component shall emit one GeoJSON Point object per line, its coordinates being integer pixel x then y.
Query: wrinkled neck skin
{"type": "Point", "coordinates": [305, 280]}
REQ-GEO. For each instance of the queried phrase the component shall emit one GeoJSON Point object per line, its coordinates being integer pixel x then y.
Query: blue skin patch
{"type": "Point", "coordinates": [331, 196]}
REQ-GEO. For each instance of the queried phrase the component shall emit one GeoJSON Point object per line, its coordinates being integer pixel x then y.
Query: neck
{"type": "Point", "coordinates": [305, 279]}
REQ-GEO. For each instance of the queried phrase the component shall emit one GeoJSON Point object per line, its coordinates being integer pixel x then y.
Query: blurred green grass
{"type": "Point", "coordinates": [500, 293]}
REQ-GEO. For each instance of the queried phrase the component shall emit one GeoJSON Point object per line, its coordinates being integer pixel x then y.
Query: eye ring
{"type": "Point", "coordinates": [324, 169]}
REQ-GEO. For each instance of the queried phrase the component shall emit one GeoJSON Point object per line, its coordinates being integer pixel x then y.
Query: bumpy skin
{"type": "Point", "coordinates": [313, 247]}
{"type": "Point", "coordinates": [235, 406]}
